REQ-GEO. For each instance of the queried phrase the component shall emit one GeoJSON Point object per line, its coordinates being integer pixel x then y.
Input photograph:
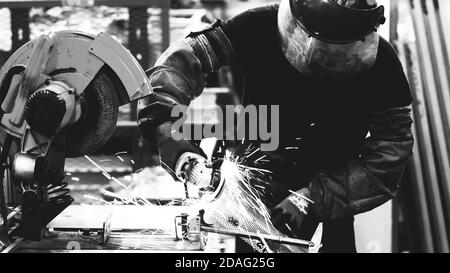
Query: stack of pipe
{"type": "Point", "coordinates": [422, 41]}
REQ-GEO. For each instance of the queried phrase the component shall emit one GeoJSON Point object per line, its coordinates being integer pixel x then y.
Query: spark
{"type": "Point", "coordinates": [259, 186]}
{"type": "Point", "coordinates": [105, 173]}
{"type": "Point", "coordinates": [256, 150]}
{"type": "Point", "coordinates": [138, 201]}
{"type": "Point", "coordinates": [92, 197]}
{"type": "Point", "coordinates": [261, 158]}
{"type": "Point", "coordinates": [241, 198]}
{"type": "Point", "coordinates": [288, 227]}
{"type": "Point", "coordinates": [119, 155]}
{"type": "Point", "coordinates": [301, 196]}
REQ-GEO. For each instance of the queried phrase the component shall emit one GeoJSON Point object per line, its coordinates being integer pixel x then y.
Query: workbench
{"type": "Point", "coordinates": [79, 228]}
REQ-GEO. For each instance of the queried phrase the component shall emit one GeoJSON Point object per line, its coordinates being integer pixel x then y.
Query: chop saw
{"type": "Point", "coordinates": [59, 98]}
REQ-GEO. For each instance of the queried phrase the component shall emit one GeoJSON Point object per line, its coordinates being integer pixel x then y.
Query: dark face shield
{"type": "Point", "coordinates": [323, 49]}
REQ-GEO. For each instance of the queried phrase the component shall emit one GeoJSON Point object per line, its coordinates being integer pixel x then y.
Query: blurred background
{"type": "Point", "coordinates": [416, 221]}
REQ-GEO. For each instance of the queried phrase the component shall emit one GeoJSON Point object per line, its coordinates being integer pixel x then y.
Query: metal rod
{"type": "Point", "coordinates": [423, 174]}
{"type": "Point", "coordinates": [435, 133]}
{"type": "Point", "coordinates": [258, 236]}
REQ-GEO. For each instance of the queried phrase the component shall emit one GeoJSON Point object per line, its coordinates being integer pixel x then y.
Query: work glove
{"type": "Point", "coordinates": [289, 215]}
{"type": "Point", "coordinates": [170, 149]}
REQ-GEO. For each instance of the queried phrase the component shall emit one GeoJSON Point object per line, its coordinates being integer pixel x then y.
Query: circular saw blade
{"type": "Point", "coordinates": [100, 118]}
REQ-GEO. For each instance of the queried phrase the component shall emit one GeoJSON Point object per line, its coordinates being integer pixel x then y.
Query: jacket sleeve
{"type": "Point", "coordinates": [371, 179]}
{"type": "Point", "coordinates": [180, 71]}
{"type": "Point", "coordinates": [178, 76]}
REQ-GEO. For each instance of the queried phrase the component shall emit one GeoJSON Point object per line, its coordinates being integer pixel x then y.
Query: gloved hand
{"type": "Point", "coordinates": [170, 149]}
{"type": "Point", "coordinates": [289, 215]}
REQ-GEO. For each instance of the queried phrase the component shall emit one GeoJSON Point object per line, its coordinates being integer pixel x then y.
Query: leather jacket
{"type": "Point", "coordinates": [354, 155]}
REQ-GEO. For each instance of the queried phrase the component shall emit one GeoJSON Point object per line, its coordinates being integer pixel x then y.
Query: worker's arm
{"type": "Point", "coordinates": [177, 78]}
{"type": "Point", "coordinates": [179, 74]}
{"type": "Point", "coordinates": [371, 179]}
{"type": "Point", "coordinates": [363, 184]}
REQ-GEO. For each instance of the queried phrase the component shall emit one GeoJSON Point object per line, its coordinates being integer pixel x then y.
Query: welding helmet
{"type": "Point", "coordinates": [330, 38]}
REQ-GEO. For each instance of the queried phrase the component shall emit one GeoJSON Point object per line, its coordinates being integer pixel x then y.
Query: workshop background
{"type": "Point", "coordinates": [417, 220]}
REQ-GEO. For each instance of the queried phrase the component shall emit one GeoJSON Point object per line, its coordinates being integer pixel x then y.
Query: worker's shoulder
{"type": "Point", "coordinates": [387, 55]}
{"type": "Point", "coordinates": [258, 12]}
{"type": "Point", "coordinates": [252, 29]}
{"type": "Point", "coordinates": [388, 62]}
{"type": "Point", "coordinates": [253, 17]}
{"type": "Point", "coordinates": [392, 89]}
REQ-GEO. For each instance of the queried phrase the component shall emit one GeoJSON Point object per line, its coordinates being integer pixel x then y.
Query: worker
{"type": "Point", "coordinates": [344, 102]}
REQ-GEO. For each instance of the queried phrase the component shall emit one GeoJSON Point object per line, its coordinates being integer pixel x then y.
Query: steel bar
{"type": "Point", "coordinates": [436, 13]}
{"type": "Point", "coordinates": [258, 236]}
{"type": "Point", "coordinates": [431, 99]}
{"type": "Point", "coordinates": [439, 60]}
{"type": "Point", "coordinates": [439, 57]}
{"type": "Point", "coordinates": [416, 167]}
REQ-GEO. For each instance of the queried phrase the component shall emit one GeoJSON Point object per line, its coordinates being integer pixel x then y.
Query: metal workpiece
{"type": "Point", "coordinates": [259, 236]}
{"type": "Point", "coordinates": [190, 227]}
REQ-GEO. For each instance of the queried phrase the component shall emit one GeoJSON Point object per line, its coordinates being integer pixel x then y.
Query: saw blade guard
{"type": "Point", "coordinates": [76, 82]}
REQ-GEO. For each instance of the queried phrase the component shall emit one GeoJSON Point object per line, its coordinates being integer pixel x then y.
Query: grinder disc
{"type": "Point", "coordinates": [99, 120]}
